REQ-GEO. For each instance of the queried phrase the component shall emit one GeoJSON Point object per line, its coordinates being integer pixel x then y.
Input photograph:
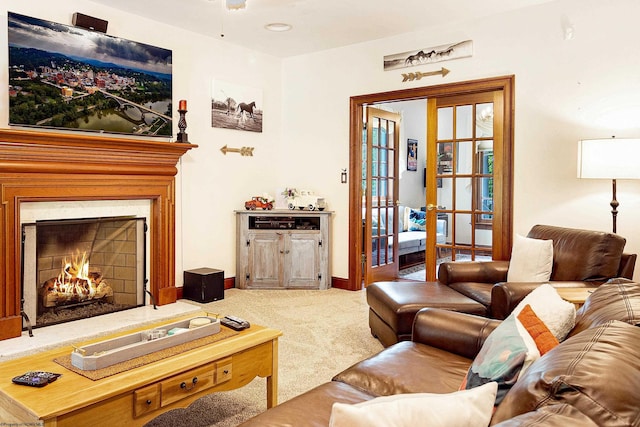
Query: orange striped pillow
{"type": "Point", "coordinates": [542, 336]}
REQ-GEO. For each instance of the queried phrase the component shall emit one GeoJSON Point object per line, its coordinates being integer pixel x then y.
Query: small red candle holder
{"type": "Point", "coordinates": [182, 122]}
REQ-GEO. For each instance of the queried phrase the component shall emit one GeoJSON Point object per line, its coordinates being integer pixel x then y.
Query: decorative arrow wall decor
{"type": "Point", "coordinates": [408, 77]}
{"type": "Point", "coordinates": [244, 151]}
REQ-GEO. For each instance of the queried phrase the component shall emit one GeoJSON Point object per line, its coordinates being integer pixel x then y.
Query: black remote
{"type": "Point", "coordinates": [35, 378]}
{"type": "Point", "coordinates": [234, 323]}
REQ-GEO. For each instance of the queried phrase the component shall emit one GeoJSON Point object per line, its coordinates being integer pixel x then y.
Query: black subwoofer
{"type": "Point", "coordinates": [203, 285]}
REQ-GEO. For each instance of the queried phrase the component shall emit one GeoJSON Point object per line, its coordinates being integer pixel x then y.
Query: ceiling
{"type": "Point", "coordinates": [317, 24]}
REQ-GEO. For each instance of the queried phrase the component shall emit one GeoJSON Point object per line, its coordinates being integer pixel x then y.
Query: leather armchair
{"type": "Point", "coordinates": [581, 258]}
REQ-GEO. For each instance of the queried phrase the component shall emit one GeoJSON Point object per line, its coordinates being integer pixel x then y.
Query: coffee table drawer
{"type": "Point", "coordinates": [184, 385]}
{"type": "Point", "coordinates": [223, 370]}
{"type": "Point", "coordinates": [146, 399]}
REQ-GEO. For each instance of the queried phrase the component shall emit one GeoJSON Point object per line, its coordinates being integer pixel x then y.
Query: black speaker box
{"type": "Point", "coordinates": [203, 285]}
{"type": "Point", "coordinates": [89, 22]}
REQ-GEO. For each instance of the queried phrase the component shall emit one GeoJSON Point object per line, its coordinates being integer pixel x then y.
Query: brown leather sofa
{"type": "Point", "coordinates": [581, 258]}
{"type": "Point", "coordinates": [590, 379]}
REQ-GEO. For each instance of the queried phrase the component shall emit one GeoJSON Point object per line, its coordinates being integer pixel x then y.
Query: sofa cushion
{"type": "Point", "coordinates": [310, 409]}
{"type": "Point", "coordinates": [471, 408]}
{"type": "Point", "coordinates": [595, 371]}
{"type": "Point", "coordinates": [412, 240]}
{"type": "Point", "coordinates": [531, 260]}
{"type": "Point", "coordinates": [618, 299]}
{"type": "Point", "coordinates": [562, 415]}
{"type": "Point", "coordinates": [407, 367]}
{"type": "Point", "coordinates": [581, 254]}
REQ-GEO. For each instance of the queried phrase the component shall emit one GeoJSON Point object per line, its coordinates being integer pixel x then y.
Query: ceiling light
{"type": "Point", "coordinates": [278, 27]}
{"type": "Point", "coordinates": [236, 4]}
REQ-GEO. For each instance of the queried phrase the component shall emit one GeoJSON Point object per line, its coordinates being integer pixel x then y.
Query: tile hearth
{"type": "Point", "coordinates": [81, 330]}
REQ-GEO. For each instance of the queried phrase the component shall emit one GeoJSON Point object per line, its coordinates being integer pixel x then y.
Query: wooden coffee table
{"type": "Point", "coordinates": [138, 395]}
{"type": "Point", "coordinates": [577, 296]}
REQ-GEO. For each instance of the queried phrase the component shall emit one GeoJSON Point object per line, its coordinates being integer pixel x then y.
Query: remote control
{"type": "Point", "coordinates": [234, 323]}
{"type": "Point", "coordinates": [35, 378]}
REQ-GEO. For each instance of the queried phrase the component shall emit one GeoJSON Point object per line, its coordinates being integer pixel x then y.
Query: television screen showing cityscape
{"type": "Point", "coordinates": [65, 77]}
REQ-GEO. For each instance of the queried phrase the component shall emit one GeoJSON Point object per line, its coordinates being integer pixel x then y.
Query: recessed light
{"type": "Point", "coordinates": [278, 27]}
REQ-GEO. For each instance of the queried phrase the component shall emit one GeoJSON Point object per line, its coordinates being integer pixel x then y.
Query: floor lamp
{"type": "Point", "coordinates": [612, 159]}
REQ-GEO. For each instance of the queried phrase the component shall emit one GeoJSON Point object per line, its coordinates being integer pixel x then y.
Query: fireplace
{"type": "Point", "coordinates": [52, 167]}
{"type": "Point", "coordinates": [79, 268]}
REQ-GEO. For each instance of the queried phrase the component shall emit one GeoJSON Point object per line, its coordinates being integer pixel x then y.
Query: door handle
{"type": "Point", "coordinates": [431, 207]}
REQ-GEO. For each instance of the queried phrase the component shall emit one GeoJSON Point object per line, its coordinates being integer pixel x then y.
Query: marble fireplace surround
{"type": "Point", "coordinates": [44, 166]}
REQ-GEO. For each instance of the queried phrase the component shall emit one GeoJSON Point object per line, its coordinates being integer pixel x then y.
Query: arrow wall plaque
{"type": "Point", "coordinates": [408, 77]}
{"type": "Point", "coordinates": [244, 151]}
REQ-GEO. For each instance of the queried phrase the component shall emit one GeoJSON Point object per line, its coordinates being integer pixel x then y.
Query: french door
{"type": "Point", "coordinates": [380, 144]}
{"type": "Point", "coordinates": [464, 142]}
{"type": "Point", "coordinates": [492, 174]}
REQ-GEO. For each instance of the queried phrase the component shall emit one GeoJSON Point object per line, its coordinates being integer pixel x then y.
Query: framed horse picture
{"type": "Point", "coordinates": [235, 106]}
{"type": "Point", "coordinates": [428, 55]}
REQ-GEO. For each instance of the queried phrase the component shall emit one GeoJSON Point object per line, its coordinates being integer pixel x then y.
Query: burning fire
{"type": "Point", "coordinates": [75, 284]}
{"type": "Point", "coordinates": [75, 278]}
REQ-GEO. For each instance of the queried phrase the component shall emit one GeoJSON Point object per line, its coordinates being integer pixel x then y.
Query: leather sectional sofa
{"type": "Point", "coordinates": [589, 379]}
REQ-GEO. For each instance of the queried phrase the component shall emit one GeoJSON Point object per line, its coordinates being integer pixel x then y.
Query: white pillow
{"type": "Point", "coordinates": [469, 408]}
{"type": "Point", "coordinates": [557, 314]}
{"type": "Point", "coordinates": [531, 260]}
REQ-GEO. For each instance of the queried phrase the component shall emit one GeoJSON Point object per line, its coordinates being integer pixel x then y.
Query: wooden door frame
{"type": "Point", "coordinates": [356, 103]}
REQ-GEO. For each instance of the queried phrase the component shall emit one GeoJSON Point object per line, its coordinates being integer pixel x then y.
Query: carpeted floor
{"type": "Point", "coordinates": [325, 332]}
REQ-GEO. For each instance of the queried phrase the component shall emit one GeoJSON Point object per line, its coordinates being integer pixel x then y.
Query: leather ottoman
{"type": "Point", "coordinates": [393, 306]}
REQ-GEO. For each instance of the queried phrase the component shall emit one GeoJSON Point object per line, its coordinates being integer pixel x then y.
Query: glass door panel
{"type": "Point", "coordinates": [381, 143]}
{"type": "Point", "coordinates": [464, 175]}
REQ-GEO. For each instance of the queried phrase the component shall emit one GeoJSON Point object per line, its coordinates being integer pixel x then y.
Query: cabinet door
{"type": "Point", "coordinates": [302, 260]}
{"type": "Point", "coordinates": [265, 260]}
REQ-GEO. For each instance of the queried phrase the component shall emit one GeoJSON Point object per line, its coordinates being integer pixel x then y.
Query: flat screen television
{"type": "Point", "coordinates": [66, 77]}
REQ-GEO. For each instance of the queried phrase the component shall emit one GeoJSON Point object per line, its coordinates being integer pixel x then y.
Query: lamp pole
{"type": "Point", "coordinates": [614, 206]}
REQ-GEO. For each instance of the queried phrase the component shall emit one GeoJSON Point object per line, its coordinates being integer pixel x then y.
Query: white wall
{"type": "Point", "coordinates": [585, 87]}
{"type": "Point", "coordinates": [413, 125]}
{"type": "Point", "coordinates": [566, 90]}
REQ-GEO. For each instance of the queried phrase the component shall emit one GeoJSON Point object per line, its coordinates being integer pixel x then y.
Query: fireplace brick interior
{"type": "Point", "coordinates": [111, 247]}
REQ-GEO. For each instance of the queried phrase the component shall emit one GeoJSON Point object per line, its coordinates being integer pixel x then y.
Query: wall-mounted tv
{"type": "Point", "coordinates": [65, 77]}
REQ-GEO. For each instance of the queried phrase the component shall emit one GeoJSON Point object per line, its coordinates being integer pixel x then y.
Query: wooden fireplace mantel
{"type": "Point", "coordinates": [43, 166]}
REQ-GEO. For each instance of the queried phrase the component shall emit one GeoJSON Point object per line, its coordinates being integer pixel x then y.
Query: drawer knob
{"type": "Point", "coordinates": [183, 385]}
{"type": "Point", "coordinates": [226, 372]}
{"type": "Point", "coordinates": [148, 401]}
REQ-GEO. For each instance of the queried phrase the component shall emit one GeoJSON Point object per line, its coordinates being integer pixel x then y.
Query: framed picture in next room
{"type": "Point", "coordinates": [412, 155]}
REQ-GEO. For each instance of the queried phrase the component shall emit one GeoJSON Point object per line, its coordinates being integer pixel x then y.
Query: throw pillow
{"type": "Point", "coordinates": [510, 349]}
{"type": "Point", "coordinates": [531, 260]}
{"type": "Point", "coordinates": [557, 314]}
{"type": "Point", "coordinates": [468, 407]}
{"type": "Point", "coordinates": [417, 220]}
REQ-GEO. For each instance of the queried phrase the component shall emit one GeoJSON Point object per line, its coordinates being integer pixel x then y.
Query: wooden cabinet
{"type": "Point", "coordinates": [282, 249]}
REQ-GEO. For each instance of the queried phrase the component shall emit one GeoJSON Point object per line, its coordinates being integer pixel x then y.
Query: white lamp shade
{"type": "Point", "coordinates": [611, 158]}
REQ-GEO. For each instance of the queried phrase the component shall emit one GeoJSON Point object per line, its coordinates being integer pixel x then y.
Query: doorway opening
{"type": "Point", "coordinates": [497, 223]}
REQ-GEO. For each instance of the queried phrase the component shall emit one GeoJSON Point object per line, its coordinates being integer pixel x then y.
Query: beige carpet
{"type": "Point", "coordinates": [324, 333]}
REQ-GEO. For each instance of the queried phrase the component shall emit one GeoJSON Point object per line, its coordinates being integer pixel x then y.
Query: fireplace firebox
{"type": "Point", "coordinates": [79, 268]}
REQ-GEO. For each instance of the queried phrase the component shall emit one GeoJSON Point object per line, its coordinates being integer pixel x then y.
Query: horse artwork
{"type": "Point", "coordinates": [245, 108]}
{"type": "Point", "coordinates": [428, 55]}
{"type": "Point", "coordinates": [227, 110]}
